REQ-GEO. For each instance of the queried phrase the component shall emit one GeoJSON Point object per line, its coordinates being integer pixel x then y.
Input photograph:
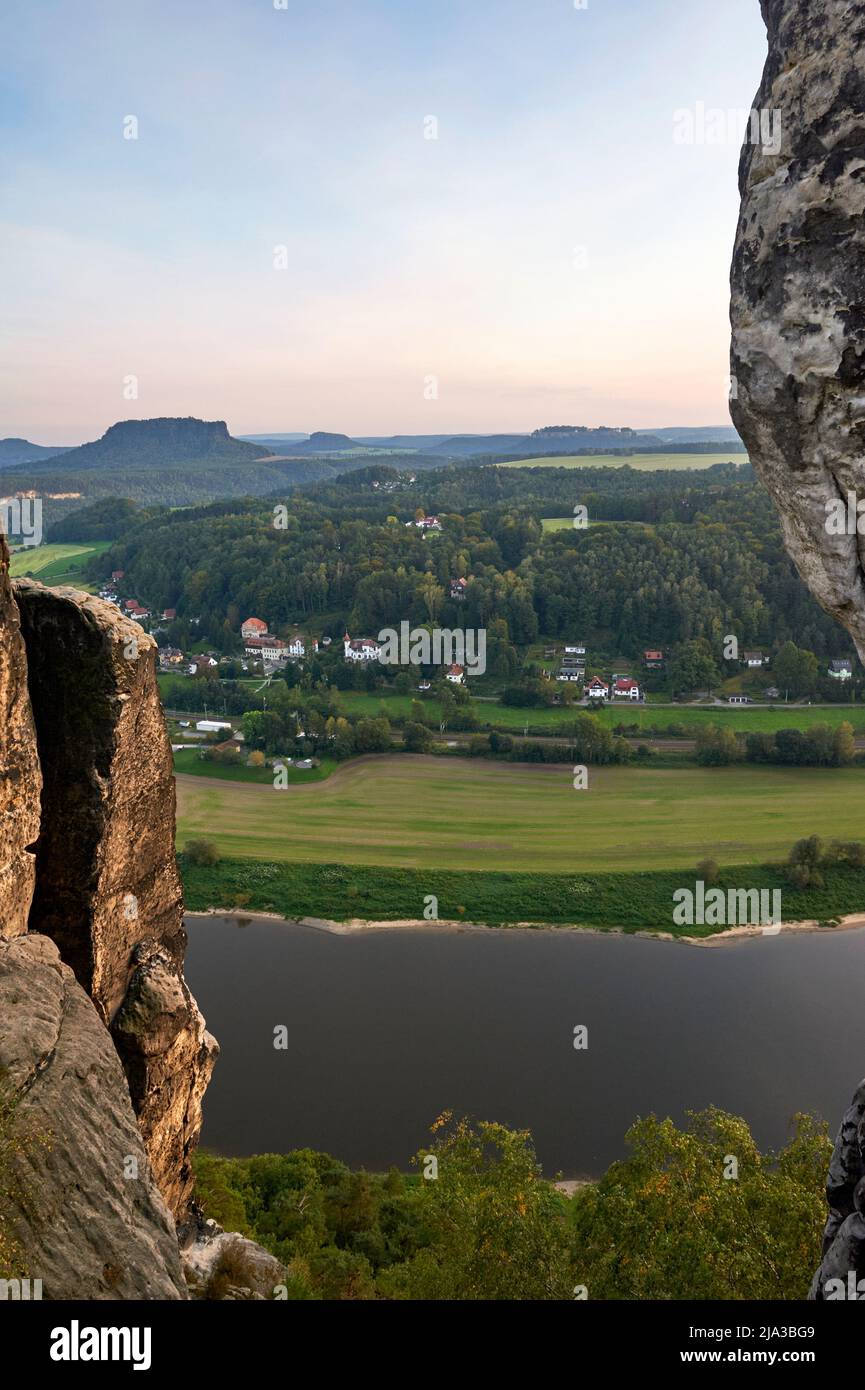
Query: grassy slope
{"type": "Point", "coordinates": [429, 814]}
{"type": "Point", "coordinates": [633, 901]}
{"type": "Point", "coordinates": [55, 564]}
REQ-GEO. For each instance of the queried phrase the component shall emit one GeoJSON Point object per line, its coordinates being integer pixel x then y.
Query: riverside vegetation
{"type": "Point", "coordinates": [485, 1224]}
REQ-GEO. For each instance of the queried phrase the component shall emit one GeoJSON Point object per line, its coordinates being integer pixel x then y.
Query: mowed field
{"type": "Point", "coordinates": [646, 462]}
{"type": "Point", "coordinates": [55, 564]}
{"type": "Point", "coordinates": [741, 719]}
{"type": "Point", "coordinates": [423, 812]}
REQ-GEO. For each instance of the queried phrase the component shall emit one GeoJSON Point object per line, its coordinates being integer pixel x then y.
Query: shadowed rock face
{"type": "Point", "coordinates": [798, 292]}
{"type": "Point", "coordinates": [20, 779]}
{"type": "Point", "coordinates": [107, 889]}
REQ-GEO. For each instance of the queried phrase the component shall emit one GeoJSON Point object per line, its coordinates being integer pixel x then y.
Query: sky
{"type": "Point", "coordinates": [368, 216]}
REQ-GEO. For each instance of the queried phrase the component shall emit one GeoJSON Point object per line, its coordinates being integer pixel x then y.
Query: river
{"type": "Point", "coordinates": [386, 1029]}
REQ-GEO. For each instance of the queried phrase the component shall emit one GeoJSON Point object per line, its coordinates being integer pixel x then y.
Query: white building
{"type": "Point", "coordinates": [212, 726]}
{"type": "Point", "coordinates": [360, 649]}
{"type": "Point", "coordinates": [841, 670]}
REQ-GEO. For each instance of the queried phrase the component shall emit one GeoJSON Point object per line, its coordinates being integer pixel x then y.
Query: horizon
{"type": "Point", "coordinates": [488, 217]}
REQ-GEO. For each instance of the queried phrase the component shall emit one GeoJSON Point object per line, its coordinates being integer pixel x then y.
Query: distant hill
{"type": "Point", "coordinates": [14, 451]}
{"type": "Point", "coordinates": [157, 443]}
{"type": "Point", "coordinates": [551, 439]}
{"type": "Point", "coordinates": [696, 434]}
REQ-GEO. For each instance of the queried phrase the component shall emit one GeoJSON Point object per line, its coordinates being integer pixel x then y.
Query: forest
{"type": "Point", "coordinates": [666, 558]}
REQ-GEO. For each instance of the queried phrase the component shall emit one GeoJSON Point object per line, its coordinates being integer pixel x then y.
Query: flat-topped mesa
{"type": "Point", "coordinates": [20, 778]}
{"type": "Point", "coordinates": [798, 293]}
{"type": "Point", "coordinates": [107, 888]}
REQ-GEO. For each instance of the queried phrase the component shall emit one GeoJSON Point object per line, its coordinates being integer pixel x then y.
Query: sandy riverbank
{"type": "Point", "coordinates": [853, 922]}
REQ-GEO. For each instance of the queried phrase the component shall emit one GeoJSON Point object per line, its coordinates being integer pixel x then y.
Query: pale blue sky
{"type": "Point", "coordinates": [553, 257]}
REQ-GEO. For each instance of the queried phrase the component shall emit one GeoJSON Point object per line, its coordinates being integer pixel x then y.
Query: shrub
{"type": "Point", "coordinates": [203, 854]}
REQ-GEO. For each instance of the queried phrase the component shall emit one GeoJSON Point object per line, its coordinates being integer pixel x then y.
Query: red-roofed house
{"type": "Point", "coordinates": [253, 627]}
{"type": "Point", "coordinates": [596, 689]}
{"type": "Point", "coordinates": [456, 674]}
{"type": "Point", "coordinates": [626, 689]}
{"type": "Point", "coordinates": [360, 648]}
{"type": "Point", "coordinates": [169, 615]}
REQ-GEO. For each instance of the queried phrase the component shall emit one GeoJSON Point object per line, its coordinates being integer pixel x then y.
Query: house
{"type": "Point", "coordinates": [253, 627]}
{"type": "Point", "coordinates": [169, 614]}
{"type": "Point", "coordinates": [202, 663]}
{"type": "Point", "coordinates": [134, 610]}
{"type": "Point", "coordinates": [773, 693]}
{"type": "Point", "coordinates": [458, 588]}
{"type": "Point", "coordinates": [360, 649]}
{"type": "Point", "coordinates": [579, 649]}
{"type": "Point", "coordinates": [739, 700]}
{"type": "Point", "coordinates": [425, 686]}
{"type": "Point", "coordinates": [297, 646]}
{"type": "Point", "coordinates": [456, 674]}
{"type": "Point", "coordinates": [596, 689]}
{"type": "Point", "coordinates": [427, 523]}
{"type": "Point", "coordinates": [117, 575]}
{"type": "Point", "coordinates": [653, 659]}
{"type": "Point", "coordinates": [267, 648]}
{"type": "Point", "coordinates": [754, 659]}
{"type": "Point", "coordinates": [170, 656]}
{"type": "Point", "coordinates": [626, 689]}
{"type": "Point", "coordinates": [212, 726]}
{"type": "Point", "coordinates": [841, 670]}
{"type": "Point", "coordinates": [326, 641]}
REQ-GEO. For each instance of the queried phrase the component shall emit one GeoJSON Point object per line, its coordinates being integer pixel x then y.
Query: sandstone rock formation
{"type": "Point", "coordinates": [844, 1236]}
{"type": "Point", "coordinates": [103, 1050]}
{"type": "Point", "coordinates": [90, 1218]}
{"type": "Point", "coordinates": [798, 375]}
{"type": "Point", "coordinates": [798, 291]}
{"type": "Point", "coordinates": [223, 1265]}
{"type": "Point", "coordinates": [107, 887]}
{"type": "Point", "coordinates": [20, 779]}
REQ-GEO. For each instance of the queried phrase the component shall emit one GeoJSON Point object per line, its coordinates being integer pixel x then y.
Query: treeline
{"type": "Point", "coordinates": [476, 1220]}
{"type": "Point", "coordinates": [819, 746]}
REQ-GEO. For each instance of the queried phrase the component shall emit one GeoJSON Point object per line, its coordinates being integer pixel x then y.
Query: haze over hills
{"type": "Point", "coordinates": [179, 462]}
{"type": "Point", "coordinates": [14, 451]}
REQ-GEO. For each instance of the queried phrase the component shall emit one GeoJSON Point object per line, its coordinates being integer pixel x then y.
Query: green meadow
{"type": "Point", "coordinates": [432, 813]}
{"type": "Point", "coordinates": [56, 564]}
{"type": "Point", "coordinates": [645, 462]}
{"type": "Point", "coordinates": [742, 718]}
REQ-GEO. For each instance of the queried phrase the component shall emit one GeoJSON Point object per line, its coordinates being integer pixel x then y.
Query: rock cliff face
{"type": "Point", "coordinates": [798, 369]}
{"type": "Point", "coordinates": [107, 888]}
{"type": "Point", "coordinates": [101, 1043]}
{"type": "Point", "coordinates": [88, 1215]}
{"type": "Point", "coordinates": [798, 292]}
{"type": "Point", "coordinates": [20, 779]}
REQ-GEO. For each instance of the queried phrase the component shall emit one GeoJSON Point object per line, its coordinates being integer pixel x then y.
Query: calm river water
{"type": "Point", "coordinates": [387, 1029]}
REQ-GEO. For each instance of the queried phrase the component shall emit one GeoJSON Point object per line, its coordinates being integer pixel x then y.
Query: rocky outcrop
{"type": "Point", "coordinates": [844, 1236]}
{"type": "Point", "coordinates": [107, 888]}
{"type": "Point", "coordinates": [222, 1265]}
{"type": "Point", "coordinates": [20, 780]}
{"type": "Point", "coordinates": [84, 1205]}
{"type": "Point", "coordinates": [798, 377]}
{"type": "Point", "coordinates": [798, 293]}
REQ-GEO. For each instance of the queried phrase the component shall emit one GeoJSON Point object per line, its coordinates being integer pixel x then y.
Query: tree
{"type": "Point", "coordinates": [417, 738]}
{"type": "Point", "coordinates": [497, 1229]}
{"type": "Point", "coordinates": [679, 1220]}
{"type": "Point", "coordinates": [694, 667]}
{"type": "Point", "coordinates": [795, 670]}
{"type": "Point", "coordinates": [717, 746]}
